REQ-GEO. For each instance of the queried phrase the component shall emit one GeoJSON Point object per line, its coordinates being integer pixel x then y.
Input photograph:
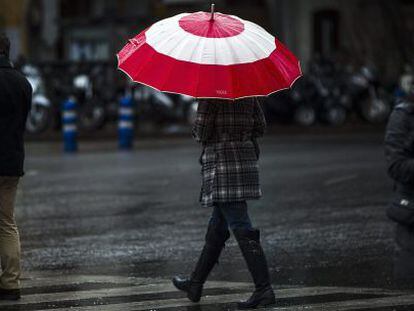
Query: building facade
{"type": "Point", "coordinates": [377, 31]}
{"type": "Point", "coordinates": [360, 31]}
{"type": "Point", "coordinates": [12, 22]}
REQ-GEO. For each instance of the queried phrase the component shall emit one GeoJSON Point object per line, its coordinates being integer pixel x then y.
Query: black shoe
{"type": "Point", "coordinates": [249, 242]}
{"type": "Point", "coordinates": [215, 241]}
{"type": "Point", "coordinates": [260, 298]}
{"type": "Point", "coordinates": [193, 289]}
{"type": "Point", "coordinates": [9, 294]}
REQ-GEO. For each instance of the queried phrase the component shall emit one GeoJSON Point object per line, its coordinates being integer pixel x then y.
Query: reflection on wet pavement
{"type": "Point", "coordinates": [136, 215]}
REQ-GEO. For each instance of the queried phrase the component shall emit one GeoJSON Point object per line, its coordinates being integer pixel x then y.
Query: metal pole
{"type": "Point", "coordinates": [212, 11]}
{"type": "Point", "coordinates": [70, 130]}
{"type": "Point", "coordinates": [126, 123]}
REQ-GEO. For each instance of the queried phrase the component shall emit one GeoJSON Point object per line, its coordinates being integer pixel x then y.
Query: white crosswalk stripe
{"type": "Point", "coordinates": [118, 293]}
{"type": "Point", "coordinates": [361, 304]}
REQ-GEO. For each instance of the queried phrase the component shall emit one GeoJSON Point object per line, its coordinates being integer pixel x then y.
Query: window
{"type": "Point", "coordinates": [75, 8]}
{"type": "Point", "coordinates": [326, 32]}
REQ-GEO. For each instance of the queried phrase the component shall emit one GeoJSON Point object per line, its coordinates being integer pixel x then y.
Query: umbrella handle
{"type": "Point", "coordinates": [212, 11]}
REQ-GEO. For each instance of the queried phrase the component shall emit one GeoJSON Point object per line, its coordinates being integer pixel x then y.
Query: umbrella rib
{"type": "Point", "coordinates": [283, 76]}
{"type": "Point", "coordinates": [248, 36]}
{"type": "Point", "coordinates": [256, 29]}
{"type": "Point", "coordinates": [175, 45]}
{"type": "Point", "coordinates": [199, 66]}
{"type": "Point", "coordinates": [136, 74]}
{"type": "Point", "coordinates": [178, 43]}
{"type": "Point", "coordinates": [257, 73]}
{"type": "Point", "coordinates": [232, 79]}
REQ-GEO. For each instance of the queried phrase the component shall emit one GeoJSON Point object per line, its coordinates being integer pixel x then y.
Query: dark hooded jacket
{"type": "Point", "coordinates": [15, 101]}
{"type": "Point", "coordinates": [399, 148]}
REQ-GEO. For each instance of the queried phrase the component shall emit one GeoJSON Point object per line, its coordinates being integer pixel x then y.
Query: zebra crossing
{"type": "Point", "coordinates": [118, 293]}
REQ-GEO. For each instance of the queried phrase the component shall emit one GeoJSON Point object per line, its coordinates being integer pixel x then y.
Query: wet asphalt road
{"type": "Point", "coordinates": [136, 213]}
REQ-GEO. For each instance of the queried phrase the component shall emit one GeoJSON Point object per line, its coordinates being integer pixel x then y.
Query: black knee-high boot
{"type": "Point", "coordinates": [216, 238]}
{"type": "Point", "coordinates": [249, 242]}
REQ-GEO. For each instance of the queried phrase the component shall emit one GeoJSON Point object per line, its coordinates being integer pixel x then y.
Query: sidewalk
{"type": "Point", "coordinates": [107, 141]}
{"type": "Point", "coordinates": [174, 131]}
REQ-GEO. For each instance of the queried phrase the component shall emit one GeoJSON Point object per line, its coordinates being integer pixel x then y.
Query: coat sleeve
{"type": "Point", "coordinates": [203, 127]}
{"type": "Point", "coordinates": [29, 98]}
{"type": "Point", "coordinates": [397, 145]}
{"type": "Point", "coordinates": [259, 126]}
{"type": "Point", "coordinates": [5, 108]}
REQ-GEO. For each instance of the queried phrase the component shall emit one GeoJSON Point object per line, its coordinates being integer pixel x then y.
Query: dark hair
{"type": "Point", "coordinates": [4, 45]}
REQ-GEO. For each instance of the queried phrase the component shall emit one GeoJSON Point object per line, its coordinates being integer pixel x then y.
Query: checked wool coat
{"type": "Point", "coordinates": [228, 131]}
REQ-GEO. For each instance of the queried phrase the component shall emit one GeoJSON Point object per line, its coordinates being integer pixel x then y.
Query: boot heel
{"type": "Point", "coordinates": [267, 302]}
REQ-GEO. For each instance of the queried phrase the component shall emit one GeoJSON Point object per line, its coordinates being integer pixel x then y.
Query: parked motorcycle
{"type": "Point", "coordinates": [327, 79]}
{"type": "Point", "coordinates": [39, 117]}
{"type": "Point", "coordinates": [313, 98]}
{"type": "Point", "coordinates": [329, 94]}
{"type": "Point", "coordinates": [161, 108]}
{"type": "Point", "coordinates": [367, 96]}
{"type": "Point", "coordinates": [304, 100]}
{"type": "Point", "coordinates": [90, 103]}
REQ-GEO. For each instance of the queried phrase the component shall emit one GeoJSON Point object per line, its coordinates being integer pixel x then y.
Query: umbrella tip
{"type": "Point", "coordinates": [212, 11]}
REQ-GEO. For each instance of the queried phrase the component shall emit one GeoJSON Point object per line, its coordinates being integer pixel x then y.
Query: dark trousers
{"type": "Point", "coordinates": [231, 214]}
{"type": "Point", "coordinates": [404, 254]}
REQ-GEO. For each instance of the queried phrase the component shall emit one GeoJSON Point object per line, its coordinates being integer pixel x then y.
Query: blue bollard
{"type": "Point", "coordinates": [69, 126]}
{"type": "Point", "coordinates": [126, 123]}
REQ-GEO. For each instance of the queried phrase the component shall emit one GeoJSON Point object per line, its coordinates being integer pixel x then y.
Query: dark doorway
{"type": "Point", "coordinates": [326, 32]}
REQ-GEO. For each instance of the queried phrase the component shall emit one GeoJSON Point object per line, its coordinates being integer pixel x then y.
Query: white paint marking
{"type": "Point", "coordinates": [359, 304]}
{"type": "Point", "coordinates": [339, 180]}
{"type": "Point", "coordinates": [141, 286]}
{"type": "Point", "coordinates": [32, 173]}
{"type": "Point", "coordinates": [148, 288]}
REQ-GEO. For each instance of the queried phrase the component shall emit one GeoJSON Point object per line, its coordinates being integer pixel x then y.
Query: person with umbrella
{"type": "Point", "coordinates": [230, 176]}
{"type": "Point", "coordinates": [227, 63]}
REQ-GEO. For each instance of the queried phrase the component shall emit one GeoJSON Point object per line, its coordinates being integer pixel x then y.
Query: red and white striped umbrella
{"type": "Point", "coordinates": [209, 55]}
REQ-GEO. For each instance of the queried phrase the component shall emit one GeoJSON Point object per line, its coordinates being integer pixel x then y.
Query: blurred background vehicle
{"type": "Point", "coordinates": [40, 114]}
{"type": "Point", "coordinates": [351, 74]}
{"type": "Point", "coordinates": [330, 93]}
{"type": "Point", "coordinates": [367, 95]}
{"type": "Point", "coordinates": [88, 92]}
{"type": "Point", "coordinates": [162, 108]}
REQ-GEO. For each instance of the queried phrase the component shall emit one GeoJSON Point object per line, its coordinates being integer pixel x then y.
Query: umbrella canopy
{"type": "Point", "coordinates": [209, 55]}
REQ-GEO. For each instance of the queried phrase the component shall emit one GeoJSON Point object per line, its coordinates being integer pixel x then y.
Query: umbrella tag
{"type": "Point", "coordinates": [137, 42]}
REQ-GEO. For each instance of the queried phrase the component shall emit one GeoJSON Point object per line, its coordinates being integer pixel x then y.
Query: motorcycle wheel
{"type": "Point", "coordinates": [305, 116]}
{"type": "Point", "coordinates": [92, 118]}
{"type": "Point", "coordinates": [374, 110]}
{"type": "Point", "coordinates": [336, 115]}
{"type": "Point", "coordinates": [38, 119]}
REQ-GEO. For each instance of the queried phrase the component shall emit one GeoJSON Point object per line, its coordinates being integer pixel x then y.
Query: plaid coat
{"type": "Point", "coordinates": [228, 132]}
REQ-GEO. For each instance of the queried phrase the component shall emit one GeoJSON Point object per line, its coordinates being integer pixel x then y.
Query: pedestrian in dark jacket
{"type": "Point", "coordinates": [15, 100]}
{"type": "Point", "coordinates": [399, 150]}
{"type": "Point", "coordinates": [230, 176]}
